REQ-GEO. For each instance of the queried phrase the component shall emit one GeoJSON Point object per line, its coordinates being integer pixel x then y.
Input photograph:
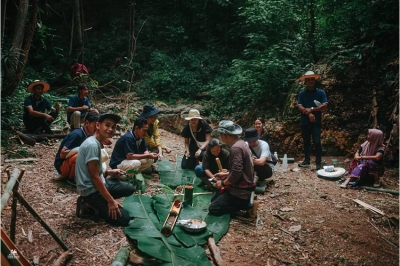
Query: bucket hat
{"type": "Point", "coordinates": [193, 113]}
{"type": "Point", "coordinates": [228, 127]}
{"type": "Point", "coordinates": [46, 85]}
{"type": "Point", "coordinates": [308, 75]}
{"type": "Point", "coordinates": [251, 134]}
{"type": "Point", "coordinates": [114, 117]}
{"type": "Point", "coordinates": [149, 110]}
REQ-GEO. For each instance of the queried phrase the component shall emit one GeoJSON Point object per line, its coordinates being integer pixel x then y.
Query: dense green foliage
{"type": "Point", "coordinates": [244, 54]}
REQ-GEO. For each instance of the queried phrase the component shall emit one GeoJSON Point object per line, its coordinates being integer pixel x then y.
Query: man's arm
{"type": "Point", "coordinates": [261, 161]}
{"type": "Point", "coordinates": [146, 155]}
{"type": "Point", "coordinates": [38, 114]}
{"type": "Point", "coordinates": [113, 205]}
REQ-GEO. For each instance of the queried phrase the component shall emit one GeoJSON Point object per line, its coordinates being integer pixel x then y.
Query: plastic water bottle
{"type": "Point", "coordinates": [276, 166]}
{"type": "Point", "coordinates": [284, 163]}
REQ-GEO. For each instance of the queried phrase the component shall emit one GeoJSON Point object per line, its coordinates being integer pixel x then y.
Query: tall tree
{"type": "Point", "coordinates": [78, 30]}
{"type": "Point", "coordinates": [15, 54]}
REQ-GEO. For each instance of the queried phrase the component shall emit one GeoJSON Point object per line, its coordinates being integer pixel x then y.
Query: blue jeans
{"type": "Point", "coordinates": [307, 131]}
{"type": "Point", "coordinates": [117, 189]}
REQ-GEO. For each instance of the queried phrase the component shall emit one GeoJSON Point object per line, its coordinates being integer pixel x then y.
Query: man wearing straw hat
{"type": "Point", "coordinates": [35, 118]}
{"type": "Point", "coordinates": [311, 102]}
{"type": "Point", "coordinates": [237, 184]}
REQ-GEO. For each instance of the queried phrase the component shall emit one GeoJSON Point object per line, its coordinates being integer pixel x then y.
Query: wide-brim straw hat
{"type": "Point", "coordinates": [229, 128]}
{"type": "Point", "coordinates": [46, 85]}
{"type": "Point", "coordinates": [309, 75]}
{"type": "Point", "coordinates": [193, 113]}
{"type": "Point", "coordinates": [149, 110]}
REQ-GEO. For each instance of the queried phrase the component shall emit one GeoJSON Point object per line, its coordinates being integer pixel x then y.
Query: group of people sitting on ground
{"type": "Point", "coordinates": [232, 174]}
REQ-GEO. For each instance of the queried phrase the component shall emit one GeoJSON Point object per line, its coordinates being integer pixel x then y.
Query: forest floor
{"type": "Point", "coordinates": [302, 219]}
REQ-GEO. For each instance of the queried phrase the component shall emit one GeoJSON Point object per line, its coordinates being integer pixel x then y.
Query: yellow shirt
{"type": "Point", "coordinates": [154, 140]}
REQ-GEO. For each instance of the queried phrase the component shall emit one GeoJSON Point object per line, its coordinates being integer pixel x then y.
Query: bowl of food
{"type": "Point", "coordinates": [192, 225]}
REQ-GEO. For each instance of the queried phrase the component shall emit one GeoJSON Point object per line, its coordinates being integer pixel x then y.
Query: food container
{"type": "Point", "coordinates": [329, 168]}
{"type": "Point", "coordinates": [192, 225]}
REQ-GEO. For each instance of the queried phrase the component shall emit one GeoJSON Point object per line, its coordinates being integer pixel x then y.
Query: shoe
{"type": "Point", "coordinates": [343, 186]}
{"type": "Point", "coordinates": [377, 185]}
{"type": "Point", "coordinates": [318, 167]}
{"type": "Point", "coordinates": [304, 164]}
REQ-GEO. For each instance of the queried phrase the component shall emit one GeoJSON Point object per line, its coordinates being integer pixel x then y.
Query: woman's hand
{"type": "Point", "coordinates": [197, 154]}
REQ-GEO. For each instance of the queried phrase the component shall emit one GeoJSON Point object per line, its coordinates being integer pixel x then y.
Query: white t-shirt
{"type": "Point", "coordinates": [262, 150]}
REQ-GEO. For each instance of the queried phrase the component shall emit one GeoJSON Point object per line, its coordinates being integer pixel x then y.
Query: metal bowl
{"type": "Point", "coordinates": [192, 225]}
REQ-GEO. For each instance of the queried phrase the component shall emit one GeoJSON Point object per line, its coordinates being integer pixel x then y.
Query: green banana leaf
{"type": "Point", "coordinates": [149, 215]}
{"type": "Point", "coordinates": [181, 248]}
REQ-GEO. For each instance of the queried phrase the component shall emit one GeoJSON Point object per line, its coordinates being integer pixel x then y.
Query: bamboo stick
{"type": "Point", "coordinates": [367, 206]}
{"type": "Point", "coordinates": [14, 206]}
{"type": "Point", "coordinates": [21, 160]}
{"type": "Point", "coordinates": [394, 192]}
{"type": "Point", "coordinates": [9, 188]}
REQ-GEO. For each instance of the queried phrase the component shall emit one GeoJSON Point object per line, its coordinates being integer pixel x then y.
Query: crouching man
{"type": "Point", "coordinates": [130, 151]}
{"type": "Point", "coordinates": [237, 184]}
{"type": "Point", "coordinates": [95, 191]}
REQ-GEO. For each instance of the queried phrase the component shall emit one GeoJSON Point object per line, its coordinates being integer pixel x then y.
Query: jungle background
{"type": "Point", "coordinates": [229, 59]}
{"type": "Point", "coordinates": [238, 59]}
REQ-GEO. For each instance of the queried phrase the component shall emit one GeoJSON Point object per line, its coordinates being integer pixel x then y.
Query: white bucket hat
{"type": "Point", "coordinates": [193, 113]}
{"type": "Point", "coordinates": [308, 75]}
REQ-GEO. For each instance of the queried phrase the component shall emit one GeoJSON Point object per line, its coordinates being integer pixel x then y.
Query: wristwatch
{"type": "Point", "coordinates": [312, 108]}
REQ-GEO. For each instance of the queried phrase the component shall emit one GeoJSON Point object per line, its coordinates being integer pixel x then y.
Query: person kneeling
{"type": "Point", "coordinates": [237, 184]}
{"type": "Point", "coordinates": [94, 190]}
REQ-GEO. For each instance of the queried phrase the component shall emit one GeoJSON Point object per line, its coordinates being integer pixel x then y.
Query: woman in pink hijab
{"type": "Point", "coordinates": [369, 158]}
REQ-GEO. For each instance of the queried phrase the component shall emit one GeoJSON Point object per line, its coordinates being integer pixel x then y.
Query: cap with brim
{"type": "Point", "coordinates": [46, 85]}
{"type": "Point", "coordinates": [308, 75]}
{"type": "Point", "coordinates": [114, 117]}
{"type": "Point", "coordinates": [193, 113]}
{"type": "Point", "coordinates": [149, 110]}
{"type": "Point", "coordinates": [251, 134]}
{"type": "Point", "coordinates": [228, 127]}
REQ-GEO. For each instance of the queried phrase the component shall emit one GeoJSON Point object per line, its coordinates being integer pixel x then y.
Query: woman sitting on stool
{"type": "Point", "coordinates": [369, 158]}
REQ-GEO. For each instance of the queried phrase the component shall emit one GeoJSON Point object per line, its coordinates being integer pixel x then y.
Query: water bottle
{"type": "Point", "coordinates": [284, 163]}
{"type": "Point", "coordinates": [276, 166]}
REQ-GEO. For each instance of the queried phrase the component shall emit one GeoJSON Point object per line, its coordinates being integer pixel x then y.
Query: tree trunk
{"type": "Point", "coordinates": [10, 83]}
{"type": "Point", "coordinates": [28, 40]}
{"type": "Point", "coordinates": [78, 30]}
{"type": "Point", "coordinates": [311, 34]}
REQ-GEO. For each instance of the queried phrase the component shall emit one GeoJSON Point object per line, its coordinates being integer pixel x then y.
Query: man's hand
{"type": "Point", "coordinates": [153, 155]}
{"type": "Point", "coordinates": [114, 172]}
{"type": "Point", "coordinates": [58, 106]}
{"type": "Point", "coordinates": [221, 175]}
{"type": "Point", "coordinates": [113, 209]}
{"type": "Point", "coordinates": [311, 117]}
{"type": "Point", "coordinates": [49, 118]}
{"type": "Point", "coordinates": [84, 107]}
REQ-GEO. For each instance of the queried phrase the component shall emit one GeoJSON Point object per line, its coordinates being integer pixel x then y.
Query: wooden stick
{"type": "Point", "coordinates": [394, 192]}
{"type": "Point", "coordinates": [394, 245]}
{"type": "Point", "coordinates": [367, 206]}
{"type": "Point", "coordinates": [14, 206]}
{"type": "Point", "coordinates": [215, 251]}
{"type": "Point", "coordinates": [9, 188]}
{"type": "Point", "coordinates": [62, 257]}
{"type": "Point", "coordinates": [52, 136]}
{"type": "Point", "coordinates": [21, 160]}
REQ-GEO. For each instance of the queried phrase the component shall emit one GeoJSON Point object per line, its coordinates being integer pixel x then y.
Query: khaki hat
{"type": "Point", "coordinates": [308, 75]}
{"type": "Point", "coordinates": [229, 128]}
{"type": "Point", "coordinates": [193, 113]}
{"type": "Point", "coordinates": [46, 85]}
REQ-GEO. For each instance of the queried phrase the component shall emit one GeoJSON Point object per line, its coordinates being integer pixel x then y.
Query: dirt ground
{"type": "Point", "coordinates": [302, 219]}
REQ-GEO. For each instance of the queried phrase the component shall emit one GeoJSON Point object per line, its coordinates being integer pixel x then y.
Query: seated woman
{"type": "Point", "coordinates": [209, 165]}
{"type": "Point", "coordinates": [197, 134]}
{"type": "Point", "coordinates": [152, 137]}
{"type": "Point", "coordinates": [259, 124]}
{"type": "Point", "coordinates": [369, 158]}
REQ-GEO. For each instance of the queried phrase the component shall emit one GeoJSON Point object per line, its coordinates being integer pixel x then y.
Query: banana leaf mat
{"type": "Point", "coordinates": [149, 214]}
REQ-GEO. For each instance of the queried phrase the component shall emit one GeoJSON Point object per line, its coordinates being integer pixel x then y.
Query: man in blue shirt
{"type": "Point", "coordinates": [67, 153]}
{"type": "Point", "coordinates": [130, 151]}
{"type": "Point", "coordinates": [35, 118]}
{"type": "Point", "coordinates": [78, 106]}
{"type": "Point", "coordinates": [311, 102]}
